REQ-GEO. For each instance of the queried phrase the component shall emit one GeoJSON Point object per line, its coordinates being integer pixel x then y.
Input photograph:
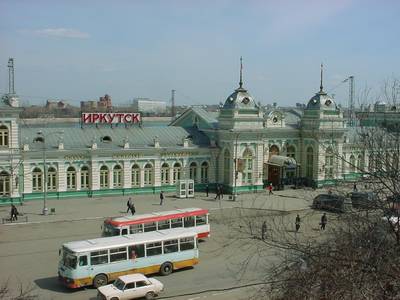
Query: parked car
{"type": "Point", "coordinates": [364, 200]}
{"type": "Point", "coordinates": [329, 202]}
{"type": "Point", "coordinates": [131, 286]}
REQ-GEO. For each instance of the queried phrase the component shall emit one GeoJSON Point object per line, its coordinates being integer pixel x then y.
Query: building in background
{"type": "Point", "coordinates": [104, 103]}
{"type": "Point", "coordinates": [146, 105]}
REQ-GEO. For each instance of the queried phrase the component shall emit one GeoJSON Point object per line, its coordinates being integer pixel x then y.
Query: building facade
{"type": "Point", "coordinates": [241, 147]}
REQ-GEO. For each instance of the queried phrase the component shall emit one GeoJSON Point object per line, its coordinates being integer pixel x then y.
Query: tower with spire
{"type": "Point", "coordinates": [240, 110]}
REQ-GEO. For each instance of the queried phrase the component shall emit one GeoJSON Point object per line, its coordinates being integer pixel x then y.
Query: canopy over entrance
{"type": "Point", "coordinates": [282, 161]}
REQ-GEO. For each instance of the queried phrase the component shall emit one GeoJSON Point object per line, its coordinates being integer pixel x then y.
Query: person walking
{"type": "Point", "coordinates": [221, 192]}
{"type": "Point", "coordinates": [133, 209]}
{"type": "Point", "coordinates": [355, 187]}
{"type": "Point", "coordinates": [207, 190]}
{"type": "Point", "coordinates": [264, 230]}
{"type": "Point", "coordinates": [161, 197]}
{"type": "Point", "coordinates": [14, 213]}
{"type": "Point", "coordinates": [217, 195]}
{"type": "Point", "coordinates": [129, 204]}
{"type": "Point", "coordinates": [297, 223]}
{"type": "Point", "coordinates": [270, 188]}
{"type": "Point", "coordinates": [324, 220]}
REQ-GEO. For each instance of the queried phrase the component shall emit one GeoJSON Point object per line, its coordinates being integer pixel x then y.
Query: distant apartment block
{"type": "Point", "coordinates": [103, 103]}
{"type": "Point", "coordinates": [146, 105]}
{"type": "Point", "coordinates": [50, 104]}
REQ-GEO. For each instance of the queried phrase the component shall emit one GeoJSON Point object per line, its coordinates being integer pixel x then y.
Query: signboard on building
{"type": "Point", "coordinates": [110, 118]}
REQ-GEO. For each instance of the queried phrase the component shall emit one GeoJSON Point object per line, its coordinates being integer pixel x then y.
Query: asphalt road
{"type": "Point", "coordinates": [29, 256]}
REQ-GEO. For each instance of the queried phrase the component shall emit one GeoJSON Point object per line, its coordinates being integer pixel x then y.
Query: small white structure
{"type": "Point", "coordinates": [185, 188]}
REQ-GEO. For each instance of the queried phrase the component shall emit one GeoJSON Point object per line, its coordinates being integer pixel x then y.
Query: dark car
{"type": "Point", "coordinates": [329, 202]}
{"type": "Point", "coordinates": [364, 200]}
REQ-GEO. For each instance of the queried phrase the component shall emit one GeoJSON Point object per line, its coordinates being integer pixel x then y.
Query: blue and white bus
{"type": "Point", "coordinates": [99, 261]}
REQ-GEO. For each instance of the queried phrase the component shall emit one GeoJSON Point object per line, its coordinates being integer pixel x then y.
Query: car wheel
{"type": "Point", "coordinates": [114, 298]}
{"type": "Point", "coordinates": [150, 295]}
{"type": "Point", "coordinates": [166, 268]}
{"type": "Point", "coordinates": [100, 280]}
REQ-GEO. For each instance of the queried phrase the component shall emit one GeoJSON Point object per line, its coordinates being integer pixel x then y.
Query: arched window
{"type": "Point", "coordinates": [360, 163]}
{"type": "Point", "coordinates": [51, 179]}
{"type": "Point", "coordinates": [117, 178]}
{"type": "Point", "coordinates": [310, 163]}
{"type": "Point", "coordinates": [204, 172]}
{"type": "Point", "coordinates": [37, 180]}
{"type": "Point", "coordinates": [227, 166]}
{"type": "Point", "coordinates": [273, 150]}
{"type": "Point", "coordinates": [193, 171]}
{"type": "Point", "coordinates": [4, 184]}
{"type": "Point", "coordinates": [135, 176]}
{"type": "Point", "coordinates": [177, 172]}
{"type": "Point", "coordinates": [71, 178]}
{"type": "Point", "coordinates": [165, 174]}
{"type": "Point", "coordinates": [329, 163]}
{"type": "Point", "coordinates": [4, 135]}
{"type": "Point", "coordinates": [291, 152]}
{"type": "Point", "coordinates": [85, 178]}
{"type": "Point", "coordinates": [148, 175]}
{"type": "Point", "coordinates": [104, 184]}
{"type": "Point", "coordinates": [247, 167]}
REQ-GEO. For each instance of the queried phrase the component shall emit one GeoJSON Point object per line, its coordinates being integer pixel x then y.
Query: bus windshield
{"type": "Point", "coordinates": [119, 284]}
{"type": "Point", "coordinates": [69, 260]}
{"type": "Point", "coordinates": [109, 230]}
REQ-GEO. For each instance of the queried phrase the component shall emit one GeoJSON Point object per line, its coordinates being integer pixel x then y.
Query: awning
{"type": "Point", "coordinates": [282, 161]}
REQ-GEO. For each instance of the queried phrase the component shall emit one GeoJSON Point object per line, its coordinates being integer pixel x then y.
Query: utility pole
{"type": "Point", "coordinates": [173, 110]}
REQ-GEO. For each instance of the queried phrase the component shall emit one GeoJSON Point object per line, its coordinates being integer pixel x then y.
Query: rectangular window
{"type": "Point", "coordinates": [189, 221]}
{"type": "Point", "coordinates": [150, 227]}
{"type": "Point", "coordinates": [136, 251]}
{"type": "Point", "coordinates": [186, 243]}
{"type": "Point", "coordinates": [82, 261]}
{"type": "Point", "coordinates": [117, 254]}
{"type": "Point", "coordinates": [99, 257]}
{"type": "Point", "coordinates": [176, 223]}
{"type": "Point", "coordinates": [201, 220]}
{"type": "Point", "coordinates": [137, 228]}
{"type": "Point", "coordinates": [153, 249]}
{"type": "Point", "coordinates": [171, 246]}
{"type": "Point", "coordinates": [163, 225]}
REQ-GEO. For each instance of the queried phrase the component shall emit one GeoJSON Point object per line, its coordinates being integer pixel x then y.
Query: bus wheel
{"type": "Point", "coordinates": [150, 296]}
{"type": "Point", "coordinates": [100, 280]}
{"type": "Point", "coordinates": [166, 268]}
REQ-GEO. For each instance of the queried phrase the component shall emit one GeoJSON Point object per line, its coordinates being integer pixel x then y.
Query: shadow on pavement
{"type": "Point", "coordinates": [52, 284]}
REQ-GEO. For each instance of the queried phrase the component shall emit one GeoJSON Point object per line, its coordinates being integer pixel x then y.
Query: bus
{"type": "Point", "coordinates": [99, 261]}
{"type": "Point", "coordinates": [195, 218]}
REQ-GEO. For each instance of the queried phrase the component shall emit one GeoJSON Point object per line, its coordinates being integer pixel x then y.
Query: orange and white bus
{"type": "Point", "coordinates": [196, 219]}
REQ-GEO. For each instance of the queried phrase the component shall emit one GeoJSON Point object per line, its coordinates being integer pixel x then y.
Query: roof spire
{"type": "Point", "coordinates": [241, 69]}
{"type": "Point", "coordinates": [322, 69]}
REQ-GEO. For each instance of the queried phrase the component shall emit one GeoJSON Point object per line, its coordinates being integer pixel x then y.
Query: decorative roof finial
{"type": "Point", "coordinates": [241, 68]}
{"type": "Point", "coordinates": [320, 87]}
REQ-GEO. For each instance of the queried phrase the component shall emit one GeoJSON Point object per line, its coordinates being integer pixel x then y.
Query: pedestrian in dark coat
{"type": "Point", "coordinates": [14, 213]}
{"type": "Point", "coordinates": [133, 209]}
{"type": "Point", "coordinates": [207, 190]}
{"type": "Point", "coordinates": [324, 220]}
{"type": "Point", "coordinates": [355, 187]}
{"type": "Point", "coordinates": [221, 191]}
{"type": "Point", "coordinates": [264, 230]}
{"type": "Point", "coordinates": [297, 223]}
{"type": "Point", "coordinates": [217, 194]}
{"type": "Point", "coordinates": [129, 204]}
{"type": "Point", "coordinates": [161, 197]}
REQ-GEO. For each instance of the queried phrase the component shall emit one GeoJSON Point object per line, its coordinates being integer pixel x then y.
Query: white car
{"type": "Point", "coordinates": [130, 287]}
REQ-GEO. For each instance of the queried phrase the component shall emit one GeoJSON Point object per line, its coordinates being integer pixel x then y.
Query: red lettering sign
{"type": "Point", "coordinates": [110, 118]}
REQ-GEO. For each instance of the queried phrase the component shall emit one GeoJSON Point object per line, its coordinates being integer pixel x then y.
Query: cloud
{"type": "Point", "coordinates": [61, 33]}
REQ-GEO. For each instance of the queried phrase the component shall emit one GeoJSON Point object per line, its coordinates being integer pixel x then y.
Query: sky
{"type": "Point", "coordinates": [80, 50]}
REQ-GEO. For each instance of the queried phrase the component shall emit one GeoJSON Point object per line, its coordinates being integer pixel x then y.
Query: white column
{"type": "Point", "coordinates": [157, 172]}
{"type": "Point", "coordinates": [78, 178]}
{"type": "Point", "coordinates": [27, 178]}
{"type": "Point", "coordinates": [95, 175]}
{"type": "Point", "coordinates": [127, 174]}
{"type": "Point", "coordinates": [62, 177]}
{"type": "Point", "coordinates": [142, 176]}
{"type": "Point", "coordinates": [111, 178]}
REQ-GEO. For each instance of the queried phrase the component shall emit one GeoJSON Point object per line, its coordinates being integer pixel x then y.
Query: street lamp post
{"type": "Point", "coordinates": [234, 196]}
{"type": "Point", "coordinates": [45, 210]}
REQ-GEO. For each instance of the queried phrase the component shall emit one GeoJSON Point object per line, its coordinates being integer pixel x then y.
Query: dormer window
{"type": "Point", "coordinates": [38, 139]}
{"type": "Point", "coordinates": [275, 119]}
{"type": "Point", "coordinates": [106, 139]}
{"type": "Point", "coordinates": [245, 100]}
{"type": "Point", "coordinates": [328, 102]}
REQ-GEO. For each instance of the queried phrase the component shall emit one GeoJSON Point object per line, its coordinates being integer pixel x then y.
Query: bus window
{"type": "Point", "coordinates": [171, 246]}
{"type": "Point", "coordinates": [82, 261]}
{"type": "Point", "coordinates": [109, 230]}
{"type": "Point", "coordinates": [124, 231]}
{"type": "Point", "coordinates": [176, 223]}
{"type": "Point", "coordinates": [153, 249]}
{"type": "Point", "coordinates": [69, 260]}
{"type": "Point", "coordinates": [187, 243]}
{"type": "Point", "coordinates": [136, 251]}
{"type": "Point", "coordinates": [150, 227]}
{"type": "Point", "coordinates": [136, 228]}
{"type": "Point", "coordinates": [99, 257]}
{"type": "Point", "coordinates": [163, 225]}
{"type": "Point", "coordinates": [201, 220]}
{"type": "Point", "coordinates": [117, 254]}
{"type": "Point", "coordinates": [189, 221]}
